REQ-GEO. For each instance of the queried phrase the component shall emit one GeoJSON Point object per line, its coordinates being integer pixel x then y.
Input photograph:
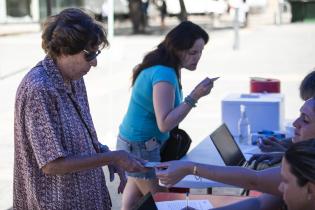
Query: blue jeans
{"type": "Point", "coordinates": [138, 149]}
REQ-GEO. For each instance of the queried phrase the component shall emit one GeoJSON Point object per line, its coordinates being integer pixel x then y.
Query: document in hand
{"type": "Point", "coordinates": [180, 204]}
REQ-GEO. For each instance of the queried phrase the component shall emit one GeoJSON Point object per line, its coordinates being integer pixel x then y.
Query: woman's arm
{"type": "Point", "coordinates": [164, 98]}
{"type": "Point", "coordinates": [163, 101]}
{"type": "Point", "coordinates": [265, 181]}
{"type": "Point", "coordinates": [77, 163]}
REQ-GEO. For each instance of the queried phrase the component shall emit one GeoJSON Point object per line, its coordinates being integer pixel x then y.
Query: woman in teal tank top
{"type": "Point", "coordinates": [156, 104]}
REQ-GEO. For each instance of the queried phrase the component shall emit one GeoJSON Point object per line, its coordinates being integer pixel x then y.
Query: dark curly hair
{"type": "Point", "coordinates": [301, 158]}
{"type": "Point", "coordinates": [180, 38]}
{"type": "Point", "coordinates": [70, 32]}
{"type": "Point", "coordinates": [307, 86]}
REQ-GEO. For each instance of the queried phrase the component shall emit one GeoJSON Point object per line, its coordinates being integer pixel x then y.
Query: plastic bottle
{"type": "Point", "coordinates": [243, 127]}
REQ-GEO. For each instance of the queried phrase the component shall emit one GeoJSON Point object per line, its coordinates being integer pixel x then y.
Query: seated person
{"type": "Point", "coordinates": [298, 178]}
{"type": "Point", "coordinates": [307, 91]}
{"type": "Point", "coordinates": [266, 180]}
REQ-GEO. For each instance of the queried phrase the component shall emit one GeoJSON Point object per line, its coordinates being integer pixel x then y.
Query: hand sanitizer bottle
{"type": "Point", "coordinates": [243, 127]}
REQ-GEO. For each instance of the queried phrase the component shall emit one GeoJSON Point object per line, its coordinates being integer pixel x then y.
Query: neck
{"type": "Point", "coordinates": [61, 66]}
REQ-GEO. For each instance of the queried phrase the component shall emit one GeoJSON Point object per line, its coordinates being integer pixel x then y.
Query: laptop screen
{"type": "Point", "coordinates": [227, 147]}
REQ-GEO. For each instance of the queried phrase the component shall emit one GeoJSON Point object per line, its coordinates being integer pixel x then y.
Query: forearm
{"type": "Point", "coordinates": [264, 181]}
{"type": "Point", "coordinates": [174, 117]}
{"type": "Point", "coordinates": [179, 113]}
{"type": "Point", "coordinates": [77, 163]}
{"type": "Point", "coordinates": [232, 175]}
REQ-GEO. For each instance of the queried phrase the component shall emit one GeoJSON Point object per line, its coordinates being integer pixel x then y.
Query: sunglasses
{"type": "Point", "coordinates": [91, 55]}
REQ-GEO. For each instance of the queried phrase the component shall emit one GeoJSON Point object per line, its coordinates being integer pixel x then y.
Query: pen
{"type": "Point", "coordinates": [187, 198]}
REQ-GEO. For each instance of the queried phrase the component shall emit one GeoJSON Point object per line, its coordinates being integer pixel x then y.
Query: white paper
{"type": "Point", "coordinates": [180, 204]}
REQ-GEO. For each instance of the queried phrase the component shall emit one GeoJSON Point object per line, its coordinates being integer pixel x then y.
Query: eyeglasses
{"type": "Point", "coordinates": [91, 55]}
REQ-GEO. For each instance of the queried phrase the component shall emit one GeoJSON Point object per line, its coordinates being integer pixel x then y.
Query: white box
{"type": "Point", "coordinates": [264, 111]}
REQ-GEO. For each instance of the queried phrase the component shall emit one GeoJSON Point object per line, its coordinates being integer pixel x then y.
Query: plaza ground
{"type": "Point", "coordinates": [284, 52]}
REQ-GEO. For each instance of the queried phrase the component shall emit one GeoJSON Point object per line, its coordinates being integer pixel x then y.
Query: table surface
{"type": "Point", "coordinates": [215, 200]}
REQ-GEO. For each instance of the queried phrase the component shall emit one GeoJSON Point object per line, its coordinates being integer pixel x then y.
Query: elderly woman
{"type": "Point", "coordinates": [58, 157]}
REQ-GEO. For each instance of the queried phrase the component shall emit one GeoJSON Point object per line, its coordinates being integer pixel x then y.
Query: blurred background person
{"type": "Point", "coordinates": [138, 15]}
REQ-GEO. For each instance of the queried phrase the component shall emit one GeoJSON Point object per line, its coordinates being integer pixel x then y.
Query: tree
{"type": "Point", "coordinates": [183, 11]}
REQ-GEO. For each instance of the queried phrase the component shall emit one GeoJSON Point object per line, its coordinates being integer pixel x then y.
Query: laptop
{"type": "Point", "coordinates": [227, 147]}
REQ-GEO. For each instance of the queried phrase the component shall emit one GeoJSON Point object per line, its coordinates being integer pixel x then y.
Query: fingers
{"type": "Point", "coordinates": [161, 173]}
{"type": "Point", "coordinates": [270, 145]}
{"type": "Point", "coordinates": [262, 158]}
{"type": "Point", "coordinates": [266, 145]}
{"type": "Point", "coordinates": [163, 165]}
{"type": "Point", "coordinates": [253, 158]}
{"type": "Point", "coordinates": [276, 159]}
{"type": "Point", "coordinates": [203, 88]}
{"type": "Point", "coordinates": [129, 162]}
{"type": "Point", "coordinates": [123, 182]}
{"type": "Point", "coordinates": [267, 142]}
{"type": "Point", "coordinates": [111, 173]}
{"type": "Point", "coordinates": [136, 166]}
{"type": "Point", "coordinates": [207, 83]}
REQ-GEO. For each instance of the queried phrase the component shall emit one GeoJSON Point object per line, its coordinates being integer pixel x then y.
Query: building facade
{"type": "Point", "coordinates": [23, 11]}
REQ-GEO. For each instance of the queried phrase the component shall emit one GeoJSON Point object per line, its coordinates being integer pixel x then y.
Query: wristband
{"type": "Point", "coordinates": [190, 101]}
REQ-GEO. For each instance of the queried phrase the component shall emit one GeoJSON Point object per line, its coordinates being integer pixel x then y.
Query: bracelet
{"type": "Point", "coordinates": [190, 101]}
{"type": "Point", "coordinates": [195, 173]}
{"type": "Point", "coordinates": [195, 170]}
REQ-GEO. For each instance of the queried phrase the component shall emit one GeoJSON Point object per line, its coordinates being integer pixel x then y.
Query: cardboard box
{"type": "Point", "coordinates": [264, 111]}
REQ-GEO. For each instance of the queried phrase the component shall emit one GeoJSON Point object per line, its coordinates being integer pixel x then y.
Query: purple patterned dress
{"type": "Point", "coordinates": [53, 121]}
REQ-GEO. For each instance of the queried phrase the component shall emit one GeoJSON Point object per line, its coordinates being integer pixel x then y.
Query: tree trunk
{"type": "Point", "coordinates": [183, 12]}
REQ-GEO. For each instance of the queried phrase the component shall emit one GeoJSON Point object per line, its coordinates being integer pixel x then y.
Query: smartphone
{"type": "Point", "coordinates": [214, 79]}
{"type": "Point", "coordinates": [151, 164]}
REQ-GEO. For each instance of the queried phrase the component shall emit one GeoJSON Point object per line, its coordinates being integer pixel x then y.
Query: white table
{"type": "Point", "coordinates": [205, 152]}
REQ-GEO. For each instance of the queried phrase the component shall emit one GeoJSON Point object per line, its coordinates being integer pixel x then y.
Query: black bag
{"type": "Point", "coordinates": [176, 146]}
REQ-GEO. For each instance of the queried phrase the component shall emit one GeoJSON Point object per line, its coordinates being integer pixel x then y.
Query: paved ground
{"type": "Point", "coordinates": [283, 51]}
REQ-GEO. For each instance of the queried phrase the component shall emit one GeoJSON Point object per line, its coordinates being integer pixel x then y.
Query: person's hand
{"type": "Point", "coordinates": [202, 89]}
{"type": "Point", "coordinates": [271, 145]}
{"type": "Point", "coordinates": [127, 161]}
{"type": "Point", "coordinates": [169, 173]}
{"type": "Point", "coordinates": [269, 159]}
{"type": "Point", "coordinates": [121, 173]}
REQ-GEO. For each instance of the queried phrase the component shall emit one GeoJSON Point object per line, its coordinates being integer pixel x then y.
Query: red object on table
{"type": "Point", "coordinates": [264, 85]}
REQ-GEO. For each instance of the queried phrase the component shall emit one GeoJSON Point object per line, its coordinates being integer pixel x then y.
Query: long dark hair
{"type": "Point", "coordinates": [301, 158]}
{"type": "Point", "coordinates": [180, 38]}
